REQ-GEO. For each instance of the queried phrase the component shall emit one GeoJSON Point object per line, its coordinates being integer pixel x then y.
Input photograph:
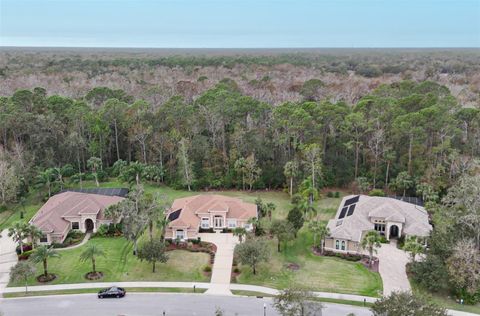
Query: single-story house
{"type": "Point", "coordinates": [72, 211]}
{"type": "Point", "coordinates": [189, 215]}
{"type": "Point", "coordinates": [359, 214]}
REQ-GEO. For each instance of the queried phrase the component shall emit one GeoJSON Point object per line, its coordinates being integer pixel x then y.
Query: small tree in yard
{"type": "Point", "coordinates": [295, 217]}
{"type": "Point", "coordinates": [405, 303]}
{"type": "Point", "coordinates": [413, 246]}
{"type": "Point", "coordinates": [34, 233]}
{"type": "Point", "coordinates": [22, 271]}
{"type": "Point", "coordinates": [252, 252]}
{"type": "Point", "coordinates": [153, 251]}
{"type": "Point", "coordinates": [283, 230]}
{"type": "Point", "coordinates": [91, 253]}
{"type": "Point", "coordinates": [18, 232]}
{"type": "Point", "coordinates": [42, 254]}
{"type": "Point", "coordinates": [319, 231]}
{"type": "Point", "coordinates": [370, 242]}
{"type": "Point", "coordinates": [296, 301]}
{"type": "Point", "coordinates": [240, 232]}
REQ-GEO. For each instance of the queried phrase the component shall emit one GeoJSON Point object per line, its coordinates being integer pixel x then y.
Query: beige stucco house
{"type": "Point", "coordinates": [359, 214]}
{"type": "Point", "coordinates": [189, 215]}
{"type": "Point", "coordinates": [72, 211]}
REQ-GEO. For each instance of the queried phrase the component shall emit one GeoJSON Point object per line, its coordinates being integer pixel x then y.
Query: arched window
{"type": "Point", "coordinates": [343, 245]}
{"type": "Point", "coordinates": [337, 244]}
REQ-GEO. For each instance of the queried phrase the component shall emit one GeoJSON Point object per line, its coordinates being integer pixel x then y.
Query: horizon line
{"type": "Point", "coordinates": [253, 48]}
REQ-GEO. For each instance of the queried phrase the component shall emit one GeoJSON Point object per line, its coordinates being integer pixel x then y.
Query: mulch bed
{"type": "Point", "coordinates": [366, 264]}
{"type": "Point", "coordinates": [44, 279]}
{"type": "Point", "coordinates": [293, 266]}
{"type": "Point", "coordinates": [94, 275]}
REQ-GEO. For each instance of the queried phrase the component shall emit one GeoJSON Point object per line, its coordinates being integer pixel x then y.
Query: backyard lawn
{"type": "Point", "coordinates": [119, 264]}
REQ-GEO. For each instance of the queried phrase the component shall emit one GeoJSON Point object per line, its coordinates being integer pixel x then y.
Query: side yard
{"type": "Point", "coordinates": [324, 274]}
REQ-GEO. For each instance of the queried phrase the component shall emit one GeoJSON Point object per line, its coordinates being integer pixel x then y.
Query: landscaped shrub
{"type": "Point", "coordinates": [25, 255]}
{"type": "Point", "coordinates": [376, 192]}
{"type": "Point", "coordinates": [205, 230]}
{"type": "Point", "coordinates": [207, 269]}
{"type": "Point", "coordinates": [236, 270]}
{"type": "Point", "coordinates": [330, 194]}
{"type": "Point", "coordinates": [346, 256]}
{"type": "Point", "coordinates": [383, 239]}
{"type": "Point", "coordinates": [26, 247]}
{"type": "Point", "coordinates": [337, 194]}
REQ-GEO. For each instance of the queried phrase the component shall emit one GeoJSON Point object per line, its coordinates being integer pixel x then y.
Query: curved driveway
{"type": "Point", "coordinates": [392, 268]}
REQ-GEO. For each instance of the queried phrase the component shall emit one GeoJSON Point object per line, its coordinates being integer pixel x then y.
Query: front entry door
{"type": "Point", "coordinates": [218, 222]}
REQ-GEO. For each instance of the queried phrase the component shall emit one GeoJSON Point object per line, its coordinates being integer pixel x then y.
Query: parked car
{"type": "Point", "coordinates": [112, 292]}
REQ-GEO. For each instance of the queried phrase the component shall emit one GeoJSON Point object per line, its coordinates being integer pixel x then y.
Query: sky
{"type": "Point", "coordinates": [240, 23]}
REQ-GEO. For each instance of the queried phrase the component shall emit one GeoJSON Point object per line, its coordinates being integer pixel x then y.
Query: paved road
{"type": "Point", "coordinates": [153, 304]}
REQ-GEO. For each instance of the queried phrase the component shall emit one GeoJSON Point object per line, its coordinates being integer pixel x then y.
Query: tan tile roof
{"type": "Point", "coordinates": [50, 218]}
{"type": "Point", "coordinates": [414, 218]}
{"type": "Point", "coordinates": [206, 203]}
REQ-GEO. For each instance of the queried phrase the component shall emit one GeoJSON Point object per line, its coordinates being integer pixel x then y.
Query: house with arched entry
{"type": "Point", "coordinates": [70, 210]}
{"type": "Point", "coordinates": [359, 214]}
{"type": "Point", "coordinates": [208, 213]}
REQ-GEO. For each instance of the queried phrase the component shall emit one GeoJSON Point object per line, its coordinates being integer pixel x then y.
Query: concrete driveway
{"type": "Point", "coordinates": [392, 268]}
{"type": "Point", "coordinates": [8, 258]}
{"type": "Point", "coordinates": [222, 267]}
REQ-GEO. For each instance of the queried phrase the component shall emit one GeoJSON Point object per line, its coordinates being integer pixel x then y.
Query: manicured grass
{"type": "Point", "coordinates": [121, 265]}
{"type": "Point", "coordinates": [324, 274]}
{"type": "Point", "coordinates": [95, 290]}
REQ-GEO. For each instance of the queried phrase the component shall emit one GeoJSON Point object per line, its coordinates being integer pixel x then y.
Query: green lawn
{"type": "Point", "coordinates": [120, 265]}
{"type": "Point", "coordinates": [326, 274]}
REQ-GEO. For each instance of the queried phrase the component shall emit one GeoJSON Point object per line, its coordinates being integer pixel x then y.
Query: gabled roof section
{"type": "Point", "coordinates": [194, 207]}
{"type": "Point", "coordinates": [52, 216]}
{"type": "Point", "coordinates": [414, 218]}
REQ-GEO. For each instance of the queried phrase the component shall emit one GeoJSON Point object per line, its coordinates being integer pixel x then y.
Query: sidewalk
{"type": "Point", "coordinates": [84, 241]}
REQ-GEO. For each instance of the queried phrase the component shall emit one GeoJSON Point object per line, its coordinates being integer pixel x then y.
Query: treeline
{"type": "Point", "coordinates": [224, 139]}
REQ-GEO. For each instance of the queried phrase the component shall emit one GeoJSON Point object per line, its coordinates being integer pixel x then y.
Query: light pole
{"type": "Point", "coordinates": [264, 309]}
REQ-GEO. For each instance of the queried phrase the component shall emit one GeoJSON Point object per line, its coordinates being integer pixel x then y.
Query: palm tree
{"type": "Point", "coordinates": [413, 246]}
{"type": "Point", "coordinates": [290, 170]}
{"type": "Point", "coordinates": [34, 233]}
{"type": "Point", "coordinates": [308, 190]}
{"type": "Point", "coordinates": [42, 254]}
{"type": "Point", "coordinates": [44, 178]}
{"type": "Point", "coordinates": [18, 232]}
{"type": "Point", "coordinates": [94, 164]}
{"type": "Point", "coordinates": [307, 208]}
{"type": "Point", "coordinates": [162, 223]}
{"type": "Point", "coordinates": [320, 230]}
{"type": "Point", "coordinates": [370, 242]}
{"type": "Point", "coordinates": [240, 232]}
{"type": "Point", "coordinates": [91, 253]}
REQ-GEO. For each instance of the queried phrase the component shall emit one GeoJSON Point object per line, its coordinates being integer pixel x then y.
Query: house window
{"type": "Point", "coordinates": [205, 222]}
{"type": "Point", "coordinates": [380, 227]}
{"type": "Point", "coordinates": [75, 225]}
{"type": "Point", "coordinates": [180, 234]}
{"type": "Point", "coordinates": [343, 245]}
{"type": "Point", "coordinates": [43, 238]}
{"type": "Point", "coordinates": [337, 244]}
{"type": "Point", "coordinates": [232, 223]}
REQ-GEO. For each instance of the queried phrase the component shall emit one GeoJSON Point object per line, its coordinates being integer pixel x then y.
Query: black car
{"type": "Point", "coordinates": [112, 292]}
